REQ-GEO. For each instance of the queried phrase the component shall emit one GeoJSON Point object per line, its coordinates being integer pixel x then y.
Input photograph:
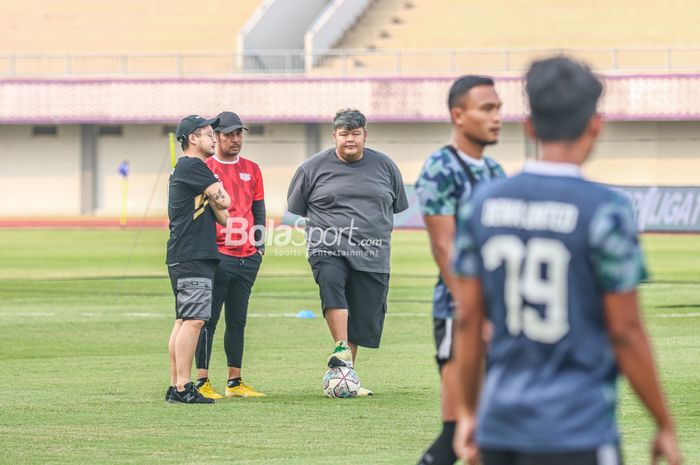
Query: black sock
{"type": "Point", "coordinates": [440, 452]}
{"type": "Point", "coordinates": [233, 382]}
{"type": "Point", "coordinates": [201, 381]}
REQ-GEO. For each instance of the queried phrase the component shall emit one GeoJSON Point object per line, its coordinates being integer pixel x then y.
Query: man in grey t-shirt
{"type": "Point", "coordinates": [349, 195]}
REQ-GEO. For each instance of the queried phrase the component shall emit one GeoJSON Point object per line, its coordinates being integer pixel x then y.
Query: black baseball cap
{"type": "Point", "coordinates": [190, 124]}
{"type": "Point", "coordinates": [229, 122]}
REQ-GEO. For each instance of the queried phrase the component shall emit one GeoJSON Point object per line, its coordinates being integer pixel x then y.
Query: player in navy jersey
{"type": "Point", "coordinates": [552, 261]}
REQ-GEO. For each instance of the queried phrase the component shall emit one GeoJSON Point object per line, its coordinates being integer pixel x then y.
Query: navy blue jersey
{"type": "Point", "coordinates": [547, 245]}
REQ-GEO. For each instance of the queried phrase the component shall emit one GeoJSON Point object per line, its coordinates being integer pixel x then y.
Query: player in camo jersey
{"type": "Point", "coordinates": [450, 174]}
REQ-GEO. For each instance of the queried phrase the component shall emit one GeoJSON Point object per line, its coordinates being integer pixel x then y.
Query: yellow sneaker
{"type": "Point", "coordinates": [242, 390]}
{"type": "Point", "coordinates": [207, 390]}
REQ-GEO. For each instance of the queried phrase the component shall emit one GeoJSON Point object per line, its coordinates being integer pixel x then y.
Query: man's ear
{"type": "Point", "coordinates": [529, 128]}
{"type": "Point", "coordinates": [455, 114]}
{"type": "Point", "coordinates": [595, 125]}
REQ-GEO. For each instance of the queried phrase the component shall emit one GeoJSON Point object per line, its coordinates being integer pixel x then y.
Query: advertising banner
{"type": "Point", "coordinates": [665, 209]}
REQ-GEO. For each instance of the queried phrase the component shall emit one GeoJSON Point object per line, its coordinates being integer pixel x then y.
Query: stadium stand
{"type": "Point", "coordinates": [392, 24]}
{"type": "Point", "coordinates": [124, 25]}
{"type": "Point", "coordinates": [111, 29]}
{"type": "Point", "coordinates": [506, 36]}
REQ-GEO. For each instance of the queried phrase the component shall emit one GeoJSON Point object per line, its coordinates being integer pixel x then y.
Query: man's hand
{"type": "Point", "coordinates": [463, 440]}
{"type": "Point", "coordinates": [665, 445]}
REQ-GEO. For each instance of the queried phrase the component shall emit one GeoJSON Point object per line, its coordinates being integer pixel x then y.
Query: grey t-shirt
{"type": "Point", "coordinates": [349, 206]}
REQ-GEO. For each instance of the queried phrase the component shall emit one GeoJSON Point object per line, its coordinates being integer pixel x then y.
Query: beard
{"type": "Point", "coordinates": [232, 152]}
{"type": "Point", "coordinates": [482, 142]}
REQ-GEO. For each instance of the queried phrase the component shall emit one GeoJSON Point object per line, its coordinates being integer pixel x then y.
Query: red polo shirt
{"type": "Point", "coordinates": [243, 182]}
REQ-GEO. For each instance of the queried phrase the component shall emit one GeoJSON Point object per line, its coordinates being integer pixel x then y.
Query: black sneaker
{"type": "Point", "coordinates": [169, 394]}
{"type": "Point", "coordinates": [190, 396]}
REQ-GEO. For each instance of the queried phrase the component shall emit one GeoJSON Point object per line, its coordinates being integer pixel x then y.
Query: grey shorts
{"type": "Point", "coordinates": [191, 282]}
{"type": "Point", "coordinates": [363, 293]}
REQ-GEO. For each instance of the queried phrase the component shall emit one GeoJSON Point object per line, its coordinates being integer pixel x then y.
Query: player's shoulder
{"type": "Point", "coordinates": [498, 187]}
{"type": "Point", "coordinates": [218, 167]}
{"type": "Point", "coordinates": [611, 194]}
{"type": "Point", "coordinates": [494, 166]}
{"type": "Point", "coordinates": [585, 194]}
{"type": "Point", "coordinates": [381, 160]}
{"type": "Point", "coordinates": [247, 163]}
{"type": "Point", "coordinates": [439, 162]}
{"type": "Point", "coordinates": [185, 163]}
{"type": "Point", "coordinates": [381, 157]}
{"type": "Point", "coordinates": [594, 194]}
{"type": "Point", "coordinates": [185, 160]}
{"type": "Point", "coordinates": [316, 160]}
{"type": "Point", "coordinates": [441, 156]}
{"type": "Point", "coordinates": [610, 202]}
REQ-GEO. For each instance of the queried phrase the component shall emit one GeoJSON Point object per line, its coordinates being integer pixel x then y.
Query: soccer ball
{"type": "Point", "coordinates": [341, 382]}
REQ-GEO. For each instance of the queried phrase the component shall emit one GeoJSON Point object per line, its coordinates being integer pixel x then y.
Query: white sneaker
{"type": "Point", "coordinates": [341, 356]}
{"type": "Point", "coordinates": [364, 392]}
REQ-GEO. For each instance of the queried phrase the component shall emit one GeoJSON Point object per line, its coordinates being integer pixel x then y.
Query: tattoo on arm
{"type": "Point", "coordinates": [219, 195]}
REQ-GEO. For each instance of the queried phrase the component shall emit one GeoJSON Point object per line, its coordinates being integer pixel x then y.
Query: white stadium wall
{"type": "Point", "coordinates": [647, 141]}
{"type": "Point", "coordinates": [648, 153]}
{"type": "Point", "coordinates": [278, 151]}
{"type": "Point", "coordinates": [146, 149]}
{"type": "Point", "coordinates": [40, 175]}
{"type": "Point", "coordinates": [630, 153]}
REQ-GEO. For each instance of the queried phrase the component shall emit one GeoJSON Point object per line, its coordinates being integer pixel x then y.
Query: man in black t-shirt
{"type": "Point", "coordinates": [196, 199]}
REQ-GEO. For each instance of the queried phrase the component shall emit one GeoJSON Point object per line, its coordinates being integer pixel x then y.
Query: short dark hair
{"type": "Point", "coordinates": [464, 84]}
{"type": "Point", "coordinates": [350, 119]}
{"type": "Point", "coordinates": [185, 142]}
{"type": "Point", "coordinates": [563, 97]}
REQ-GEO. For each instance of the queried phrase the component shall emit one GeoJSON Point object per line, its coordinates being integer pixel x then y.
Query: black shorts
{"type": "Point", "coordinates": [363, 293]}
{"type": "Point", "coordinates": [191, 282]}
{"type": "Point", "coordinates": [605, 455]}
{"type": "Point", "coordinates": [443, 331]}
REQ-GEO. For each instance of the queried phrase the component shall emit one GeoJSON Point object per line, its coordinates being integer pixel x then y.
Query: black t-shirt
{"type": "Point", "coordinates": [192, 222]}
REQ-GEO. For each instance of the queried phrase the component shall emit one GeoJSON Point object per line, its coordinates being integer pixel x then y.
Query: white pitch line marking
{"type": "Point", "coordinates": [274, 315]}
{"type": "Point", "coordinates": [677, 315]}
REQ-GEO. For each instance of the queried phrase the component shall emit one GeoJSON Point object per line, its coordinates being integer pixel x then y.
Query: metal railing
{"type": "Point", "coordinates": [403, 62]}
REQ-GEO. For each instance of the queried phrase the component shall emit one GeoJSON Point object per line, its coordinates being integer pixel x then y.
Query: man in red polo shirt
{"type": "Point", "coordinates": [241, 247]}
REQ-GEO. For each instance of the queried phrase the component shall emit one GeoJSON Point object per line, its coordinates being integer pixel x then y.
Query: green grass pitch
{"type": "Point", "coordinates": [83, 335]}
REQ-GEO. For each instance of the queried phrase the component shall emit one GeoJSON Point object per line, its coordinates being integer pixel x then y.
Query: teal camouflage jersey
{"type": "Point", "coordinates": [441, 187]}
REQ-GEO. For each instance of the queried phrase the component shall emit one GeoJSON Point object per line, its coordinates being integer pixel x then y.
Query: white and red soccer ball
{"type": "Point", "coordinates": [341, 382]}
